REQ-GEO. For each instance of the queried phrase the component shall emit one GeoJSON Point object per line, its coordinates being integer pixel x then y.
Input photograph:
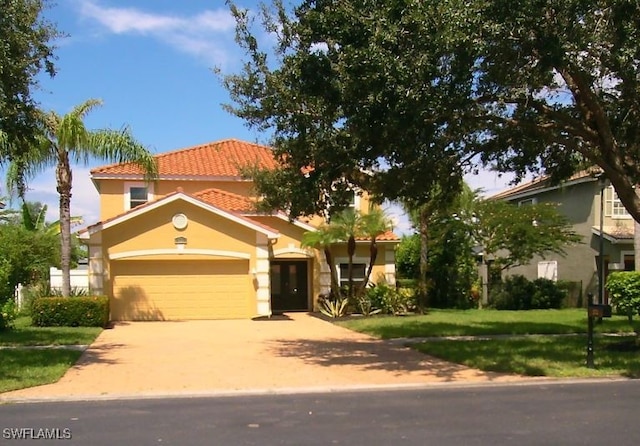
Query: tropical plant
{"type": "Point", "coordinates": [373, 224]}
{"type": "Point", "coordinates": [322, 238]}
{"type": "Point", "coordinates": [334, 307]}
{"type": "Point", "coordinates": [64, 140]}
{"type": "Point", "coordinates": [624, 290]}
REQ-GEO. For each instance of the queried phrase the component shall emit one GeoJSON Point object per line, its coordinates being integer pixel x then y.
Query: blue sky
{"type": "Point", "coordinates": [151, 63]}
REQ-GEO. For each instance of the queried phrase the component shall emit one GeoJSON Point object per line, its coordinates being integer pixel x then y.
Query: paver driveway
{"type": "Point", "coordinates": [297, 351]}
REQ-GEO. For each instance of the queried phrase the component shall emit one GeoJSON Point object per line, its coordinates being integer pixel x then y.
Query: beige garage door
{"type": "Point", "coordinates": [165, 290]}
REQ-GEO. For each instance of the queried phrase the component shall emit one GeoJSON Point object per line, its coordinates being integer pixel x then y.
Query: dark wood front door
{"type": "Point", "coordinates": [289, 286]}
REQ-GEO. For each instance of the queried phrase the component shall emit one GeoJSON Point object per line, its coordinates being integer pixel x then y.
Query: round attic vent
{"type": "Point", "coordinates": [180, 221]}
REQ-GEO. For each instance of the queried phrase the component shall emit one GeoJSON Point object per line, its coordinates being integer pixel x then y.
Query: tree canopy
{"type": "Point", "coordinates": [26, 50]}
{"type": "Point", "coordinates": [399, 96]}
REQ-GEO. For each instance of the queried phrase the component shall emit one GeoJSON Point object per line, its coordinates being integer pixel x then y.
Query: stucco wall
{"type": "Point", "coordinates": [580, 203]}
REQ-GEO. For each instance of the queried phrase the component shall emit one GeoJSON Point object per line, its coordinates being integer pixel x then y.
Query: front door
{"type": "Point", "coordinates": [289, 286]}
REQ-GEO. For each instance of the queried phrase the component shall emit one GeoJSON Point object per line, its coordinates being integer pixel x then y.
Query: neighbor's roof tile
{"type": "Point", "coordinates": [220, 158]}
{"type": "Point", "coordinates": [542, 183]}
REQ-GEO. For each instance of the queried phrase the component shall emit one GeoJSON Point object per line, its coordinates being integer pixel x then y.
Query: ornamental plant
{"type": "Point", "coordinates": [624, 292]}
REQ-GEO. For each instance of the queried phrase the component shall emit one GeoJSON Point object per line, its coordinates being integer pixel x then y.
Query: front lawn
{"type": "Point", "coordinates": [538, 355]}
{"type": "Point", "coordinates": [21, 368]}
{"type": "Point", "coordinates": [27, 367]}
{"type": "Point", "coordinates": [25, 334]}
{"type": "Point", "coordinates": [483, 322]}
{"type": "Point", "coordinates": [551, 356]}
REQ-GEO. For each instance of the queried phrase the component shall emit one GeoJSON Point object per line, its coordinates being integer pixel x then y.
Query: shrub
{"type": "Point", "coordinates": [8, 314]}
{"type": "Point", "coordinates": [515, 293]}
{"type": "Point", "coordinates": [70, 311]}
{"type": "Point", "coordinates": [388, 300]}
{"type": "Point", "coordinates": [624, 291]}
{"type": "Point", "coordinates": [519, 293]}
{"type": "Point", "coordinates": [547, 295]}
{"type": "Point", "coordinates": [333, 308]}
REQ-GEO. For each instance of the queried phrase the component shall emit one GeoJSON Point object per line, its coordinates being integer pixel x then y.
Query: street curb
{"type": "Point", "coordinates": [309, 390]}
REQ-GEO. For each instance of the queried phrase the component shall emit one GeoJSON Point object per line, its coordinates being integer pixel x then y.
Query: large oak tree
{"type": "Point", "coordinates": [413, 91]}
{"type": "Point", "coordinates": [26, 49]}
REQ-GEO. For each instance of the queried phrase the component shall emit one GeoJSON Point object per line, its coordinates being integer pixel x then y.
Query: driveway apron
{"type": "Point", "coordinates": [293, 352]}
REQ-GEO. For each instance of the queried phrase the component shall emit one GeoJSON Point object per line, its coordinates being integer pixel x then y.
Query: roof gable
{"type": "Point", "coordinates": [226, 200]}
{"type": "Point", "coordinates": [216, 159]}
{"type": "Point", "coordinates": [543, 184]}
{"type": "Point", "coordinates": [178, 195]}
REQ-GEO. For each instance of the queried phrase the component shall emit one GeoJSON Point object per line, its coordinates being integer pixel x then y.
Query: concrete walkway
{"type": "Point", "coordinates": [295, 352]}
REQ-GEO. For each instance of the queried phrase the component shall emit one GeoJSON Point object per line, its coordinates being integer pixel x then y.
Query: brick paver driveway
{"type": "Point", "coordinates": [294, 352]}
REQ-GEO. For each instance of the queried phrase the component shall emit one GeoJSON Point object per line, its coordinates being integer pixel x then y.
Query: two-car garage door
{"type": "Point", "coordinates": [179, 289]}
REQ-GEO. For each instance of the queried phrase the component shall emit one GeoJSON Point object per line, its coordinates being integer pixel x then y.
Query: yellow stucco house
{"type": "Point", "coordinates": [192, 246]}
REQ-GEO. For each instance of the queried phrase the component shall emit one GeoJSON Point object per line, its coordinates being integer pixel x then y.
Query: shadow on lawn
{"type": "Point", "coordinates": [369, 355]}
{"type": "Point", "coordinates": [412, 328]}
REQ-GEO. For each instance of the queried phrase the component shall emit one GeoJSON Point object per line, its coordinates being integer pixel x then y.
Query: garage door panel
{"type": "Point", "coordinates": [162, 290]}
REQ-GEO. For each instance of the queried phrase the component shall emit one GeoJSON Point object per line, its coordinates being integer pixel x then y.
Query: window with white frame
{"type": "Point", "coordinates": [358, 272]}
{"type": "Point", "coordinates": [527, 202]}
{"type": "Point", "coordinates": [137, 194]}
{"type": "Point", "coordinates": [614, 207]}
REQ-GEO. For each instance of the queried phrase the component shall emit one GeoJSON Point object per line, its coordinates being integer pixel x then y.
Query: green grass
{"type": "Point", "coordinates": [21, 368]}
{"type": "Point", "coordinates": [28, 367]}
{"type": "Point", "coordinates": [24, 334]}
{"type": "Point", "coordinates": [541, 356]}
{"type": "Point", "coordinates": [483, 322]}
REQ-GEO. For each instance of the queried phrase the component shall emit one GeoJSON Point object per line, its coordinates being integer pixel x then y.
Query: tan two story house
{"type": "Point", "coordinates": [578, 199]}
{"type": "Point", "coordinates": [192, 246]}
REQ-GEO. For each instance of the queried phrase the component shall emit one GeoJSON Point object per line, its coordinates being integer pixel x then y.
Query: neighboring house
{"type": "Point", "coordinates": [191, 245]}
{"type": "Point", "coordinates": [578, 199]}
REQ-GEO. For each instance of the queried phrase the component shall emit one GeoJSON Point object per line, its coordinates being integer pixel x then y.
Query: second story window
{"type": "Point", "coordinates": [136, 194]}
{"type": "Point", "coordinates": [614, 207]}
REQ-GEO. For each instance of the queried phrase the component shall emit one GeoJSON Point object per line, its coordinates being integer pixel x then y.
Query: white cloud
{"type": "Point", "coordinates": [202, 35]}
{"type": "Point", "coordinates": [85, 201]}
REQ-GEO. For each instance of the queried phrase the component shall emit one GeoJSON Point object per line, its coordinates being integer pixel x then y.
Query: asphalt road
{"type": "Point", "coordinates": [543, 414]}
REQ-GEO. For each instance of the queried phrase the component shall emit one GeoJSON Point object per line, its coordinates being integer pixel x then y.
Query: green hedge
{"type": "Point", "coordinates": [86, 311]}
{"type": "Point", "coordinates": [624, 291]}
{"type": "Point", "coordinates": [519, 293]}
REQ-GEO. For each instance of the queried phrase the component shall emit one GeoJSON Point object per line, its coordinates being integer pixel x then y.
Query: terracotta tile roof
{"type": "Point", "coordinates": [542, 183]}
{"type": "Point", "coordinates": [226, 200]}
{"type": "Point", "coordinates": [207, 193]}
{"type": "Point", "coordinates": [220, 158]}
{"type": "Point", "coordinates": [388, 236]}
{"type": "Point", "coordinates": [617, 232]}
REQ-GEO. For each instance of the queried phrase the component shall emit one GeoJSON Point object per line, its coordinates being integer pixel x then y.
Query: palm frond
{"type": "Point", "coordinates": [120, 146]}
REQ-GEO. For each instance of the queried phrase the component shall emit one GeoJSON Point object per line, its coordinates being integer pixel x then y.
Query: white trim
{"type": "Point", "coordinates": [187, 251]}
{"type": "Point", "coordinates": [282, 216]}
{"type": "Point", "coordinates": [532, 200]}
{"type": "Point", "coordinates": [128, 185]}
{"type": "Point", "coordinates": [610, 198]}
{"type": "Point", "coordinates": [119, 176]}
{"type": "Point", "coordinates": [528, 193]}
{"type": "Point", "coordinates": [612, 240]}
{"type": "Point", "coordinates": [292, 250]}
{"type": "Point", "coordinates": [619, 266]}
{"type": "Point", "coordinates": [181, 196]}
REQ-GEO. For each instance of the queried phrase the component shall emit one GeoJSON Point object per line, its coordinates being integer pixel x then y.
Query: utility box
{"type": "Point", "coordinates": [599, 310]}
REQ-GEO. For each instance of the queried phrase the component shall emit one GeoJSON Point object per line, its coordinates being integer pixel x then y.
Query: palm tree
{"type": "Point", "coordinates": [65, 139]}
{"type": "Point", "coordinates": [322, 238]}
{"type": "Point", "coordinates": [346, 227]}
{"type": "Point", "coordinates": [372, 224]}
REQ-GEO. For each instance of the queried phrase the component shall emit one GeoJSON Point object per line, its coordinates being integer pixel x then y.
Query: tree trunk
{"type": "Point", "coordinates": [373, 255]}
{"type": "Point", "coordinates": [64, 180]}
{"type": "Point", "coordinates": [636, 241]}
{"type": "Point", "coordinates": [351, 250]}
{"type": "Point", "coordinates": [335, 289]}
{"type": "Point", "coordinates": [424, 252]}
